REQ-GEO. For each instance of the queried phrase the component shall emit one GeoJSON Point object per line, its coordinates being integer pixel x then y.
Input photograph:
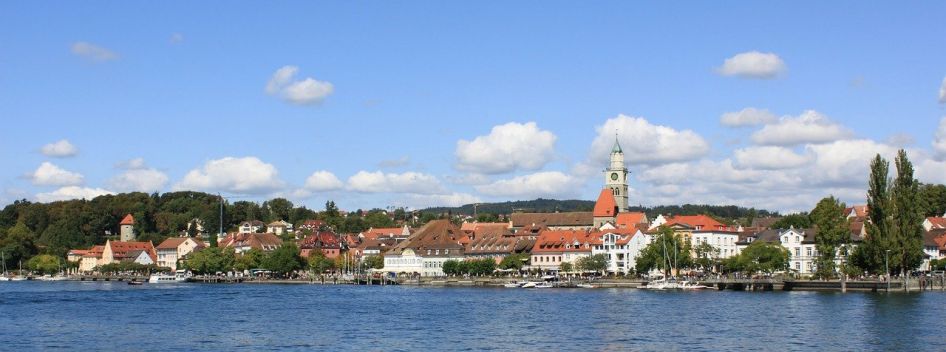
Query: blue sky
{"type": "Point", "coordinates": [375, 99]}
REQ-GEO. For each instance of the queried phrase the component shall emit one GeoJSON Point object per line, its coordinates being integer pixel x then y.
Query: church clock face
{"type": "Point", "coordinates": [614, 176]}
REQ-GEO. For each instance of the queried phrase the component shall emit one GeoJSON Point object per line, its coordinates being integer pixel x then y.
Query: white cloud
{"type": "Point", "coordinates": [509, 147]}
{"type": "Point", "coordinates": [48, 174]}
{"type": "Point", "coordinates": [93, 52]}
{"type": "Point", "coordinates": [132, 164]}
{"type": "Point", "coordinates": [322, 181]}
{"type": "Point", "coordinates": [939, 140]}
{"type": "Point", "coordinates": [753, 64]}
{"type": "Point", "coordinates": [71, 192]}
{"type": "Point", "coordinates": [304, 92]}
{"type": "Point", "coordinates": [645, 143]}
{"type": "Point", "coordinates": [769, 158]}
{"type": "Point", "coordinates": [845, 162]}
{"type": "Point", "coordinates": [248, 175]}
{"type": "Point", "coordinates": [747, 117]}
{"type": "Point", "coordinates": [942, 92]}
{"type": "Point", "coordinates": [139, 180]}
{"type": "Point", "coordinates": [60, 149]}
{"type": "Point", "coordinates": [809, 127]}
{"type": "Point", "coordinates": [541, 184]}
{"type": "Point", "coordinates": [408, 182]}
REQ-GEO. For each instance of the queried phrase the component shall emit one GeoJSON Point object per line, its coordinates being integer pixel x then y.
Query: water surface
{"type": "Point", "coordinates": [115, 316]}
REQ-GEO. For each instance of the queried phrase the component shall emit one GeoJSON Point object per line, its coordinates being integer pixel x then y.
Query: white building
{"type": "Point", "coordinates": [279, 227]}
{"type": "Point", "coordinates": [723, 241]}
{"type": "Point", "coordinates": [621, 247]}
{"type": "Point", "coordinates": [174, 249]}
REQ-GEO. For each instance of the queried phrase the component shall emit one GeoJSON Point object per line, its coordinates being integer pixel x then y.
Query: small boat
{"type": "Point", "coordinates": [18, 278]}
{"type": "Point", "coordinates": [48, 277]}
{"type": "Point", "coordinates": [512, 285]}
{"type": "Point", "coordinates": [687, 285]}
{"type": "Point", "coordinates": [528, 285]}
{"type": "Point", "coordinates": [179, 276]}
{"type": "Point", "coordinates": [4, 278]}
{"type": "Point", "coordinates": [135, 283]}
{"type": "Point", "coordinates": [545, 285]}
{"type": "Point", "coordinates": [585, 286]}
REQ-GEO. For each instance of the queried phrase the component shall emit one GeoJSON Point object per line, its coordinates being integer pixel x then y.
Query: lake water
{"type": "Point", "coordinates": [114, 316]}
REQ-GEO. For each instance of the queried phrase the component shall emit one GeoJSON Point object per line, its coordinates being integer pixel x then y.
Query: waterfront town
{"type": "Point", "coordinates": [608, 241]}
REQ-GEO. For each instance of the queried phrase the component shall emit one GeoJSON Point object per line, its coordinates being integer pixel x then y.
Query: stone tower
{"type": "Point", "coordinates": [615, 176]}
{"type": "Point", "coordinates": [127, 233]}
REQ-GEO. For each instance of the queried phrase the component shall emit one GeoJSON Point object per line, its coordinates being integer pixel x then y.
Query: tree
{"type": "Point", "coordinates": [17, 245]}
{"type": "Point", "coordinates": [798, 221]}
{"type": "Point", "coordinates": [833, 231]}
{"type": "Point", "coordinates": [451, 267]}
{"type": "Point", "coordinates": [251, 259]}
{"type": "Point", "coordinates": [283, 260]}
{"type": "Point", "coordinates": [372, 262]}
{"type": "Point", "coordinates": [932, 199]}
{"type": "Point", "coordinates": [566, 267]}
{"type": "Point", "coordinates": [665, 251]}
{"type": "Point", "coordinates": [907, 232]}
{"type": "Point", "coordinates": [870, 254]}
{"type": "Point", "coordinates": [761, 256]}
{"type": "Point", "coordinates": [706, 256]}
{"type": "Point", "coordinates": [211, 260]}
{"type": "Point", "coordinates": [318, 263]}
{"type": "Point", "coordinates": [44, 264]}
{"type": "Point", "coordinates": [596, 263]}
{"type": "Point", "coordinates": [514, 261]}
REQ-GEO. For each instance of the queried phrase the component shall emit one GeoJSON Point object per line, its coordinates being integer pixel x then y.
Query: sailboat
{"type": "Point", "coordinates": [19, 274]}
{"type": "Point", "coordinates": [4, 261]}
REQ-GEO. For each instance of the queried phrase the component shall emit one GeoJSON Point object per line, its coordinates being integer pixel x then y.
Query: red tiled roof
{"type": "Point", "coordinates": [172, 243]}
{"type": "Point", "coordinates": [121, 249]}
{"type": "Point", "coordinates": [473, 226]}
{"type": "Point", "coordinates": [565, 241]}
{"type": "Point", "coordinates": [128, 220]}
{"type": "Point", "coordinates": [259, 241]}
{"type": "Point", "coordinates": [321, 239]}
{"type": "Point", "coordinates": [605, 206]}
{"type": "Point", "coordinates": [698, 222]}
{"type": "Point", "coordinates": [938, 223]}
{"type": "Point", "coordinates": [628, 220]}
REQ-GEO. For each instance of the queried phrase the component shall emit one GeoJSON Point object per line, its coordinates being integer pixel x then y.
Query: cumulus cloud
{"type": "Point", "coordinates": [747, 117]}
{"type": "Point", "coordinates": [248, 175]}
{"type": "Point", "coordinates": [769, 158]}
{"type": "Point", "coordinates": [137, 177]}
{"type": "Point", "coordinates": [408, 182]}
{"type": "Point", "coordinates": [93, 52]}
{"type": "Point", "coordinates": [323, 181]}
{"type": "Point", "coordinates": [809, 127]}
{"type": "Point", "coordinates": [71, 192]}
{"type": "Point", "coordinates": [540, 184]}
{"type": "Point", "coordinates": [753, 64]}
{"type": "Point", "coordinates": [939, 140]}
{"type": "Point", "coordinates": [131, 164]}
{"type": "Point", "coordinates": [509, 147]}
{"type": "Point", "coordinates": [300, 92]}
{"type": "Point", "coordinates": [60, 149]}
{"type": "Point", "coordinates": [646, 143]}
{"type": "Point", "coordinates": [48, 174]}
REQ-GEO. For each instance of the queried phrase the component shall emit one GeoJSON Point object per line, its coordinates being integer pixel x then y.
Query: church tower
{"type": "Point", "coordinates": [615, 177]}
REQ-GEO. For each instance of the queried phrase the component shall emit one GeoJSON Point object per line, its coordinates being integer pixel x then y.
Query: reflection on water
{"type": "Point", "coordinates": [115, 316]}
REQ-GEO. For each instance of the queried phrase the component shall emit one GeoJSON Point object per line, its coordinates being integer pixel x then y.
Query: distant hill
{"type": "Point", "coordinates": [541, 205]}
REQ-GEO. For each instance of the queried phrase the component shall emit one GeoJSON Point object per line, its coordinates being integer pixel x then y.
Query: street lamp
{"type": "Point", "coordinates": [887, 268]}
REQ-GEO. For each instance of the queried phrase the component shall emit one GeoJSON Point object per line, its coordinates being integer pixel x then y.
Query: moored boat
{"type": "Point", "coordinates": [179, 276]}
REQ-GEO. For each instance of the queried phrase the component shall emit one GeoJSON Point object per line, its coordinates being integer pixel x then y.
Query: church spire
{"type": "Point", "coordinates": [617, 146]}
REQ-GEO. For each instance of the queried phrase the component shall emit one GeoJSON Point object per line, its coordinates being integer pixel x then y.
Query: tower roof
{"type": "Point", "coordinates": [617, 146]}
{"type": "Point", "coordinates": [605, 206]}
{"type": "Point", "coordinates": [128, 220]}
